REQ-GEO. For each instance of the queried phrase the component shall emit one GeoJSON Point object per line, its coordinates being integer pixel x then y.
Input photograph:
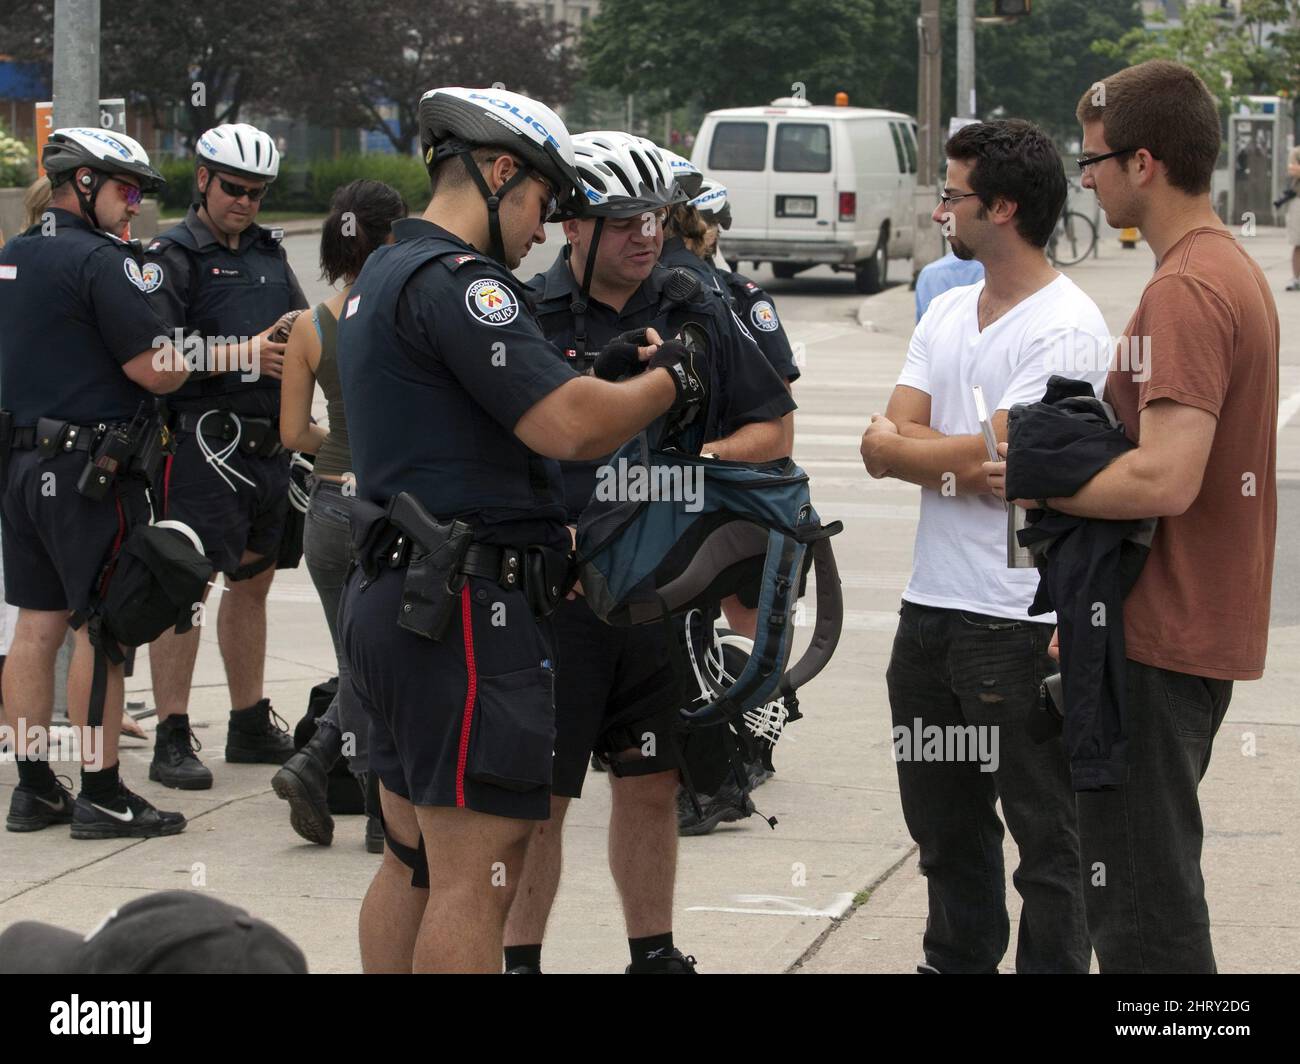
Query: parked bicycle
{"type": "Point", "coordinates": [1073, 239]}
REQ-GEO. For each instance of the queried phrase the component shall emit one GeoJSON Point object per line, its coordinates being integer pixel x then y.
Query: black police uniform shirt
{"type": "Point", "coordinates": [73, 312]}
{"type": "Point", "coordinates": [203, 286]}
{"type": "Point", "coordinates": [755, 309]}
{"type": "Point", "coordinates": [743, 388]}
{"type": "Point", "coordinates": [752, 306]}
{"type": "Point", "coordinates": [441, 358]}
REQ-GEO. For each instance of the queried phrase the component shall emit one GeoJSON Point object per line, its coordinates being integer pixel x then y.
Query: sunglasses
{"type": "Point", "coordinates": [235, 191]}
{"type": "Point", "coordinates": [1088, 160]}
{"type": "Point", "coordinates": [131, 193]}
{"type": "Point", "coordinates": [552, 203]}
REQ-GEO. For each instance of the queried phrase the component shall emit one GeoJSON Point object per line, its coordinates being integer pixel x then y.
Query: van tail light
{"type": "Point", "coordinates": [848, 206]}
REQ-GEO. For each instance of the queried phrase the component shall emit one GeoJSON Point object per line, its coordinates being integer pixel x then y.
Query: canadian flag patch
{"type": "Point", "coordinates": [353, 303]}
{"type": "Point", "coordinates": [8, 273]}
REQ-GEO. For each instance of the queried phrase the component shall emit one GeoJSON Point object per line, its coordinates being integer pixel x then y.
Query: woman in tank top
{"type": "Point", "coordinates": [360, 220]}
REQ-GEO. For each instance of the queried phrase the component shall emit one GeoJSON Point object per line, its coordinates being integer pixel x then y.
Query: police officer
{"type": "Point", "coordinates": [615, 686]}
{"type": "Point", "coordinates": [456, 405]}
{"type": "Point", "coordinates": [83, 351]}
{"type": "Point", "coordinates": [225, 282]}
{"type": "Point", "coordinates": [692, 243]}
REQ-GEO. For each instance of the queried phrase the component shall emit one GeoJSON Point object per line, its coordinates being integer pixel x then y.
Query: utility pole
{"type": "Point", "coordinates": [965, 59]}
{"type": "Point", "coordinates": [76, 63]}
{"type": "Point", "coordinates": [927, 241]}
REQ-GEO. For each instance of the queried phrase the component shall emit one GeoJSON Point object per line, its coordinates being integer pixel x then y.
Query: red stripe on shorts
{"type": "Point", "coordinates": [167, 482]}
{"type": "Point", "coordinates": [471, 692]}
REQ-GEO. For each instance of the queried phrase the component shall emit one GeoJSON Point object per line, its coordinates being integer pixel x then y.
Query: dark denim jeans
{"type": "Point", "coordinates": [1141, 843]}
{"type": "Point", "coordinates": [954, 669]}
{"type": "Point", "coordinates": [326, 547]}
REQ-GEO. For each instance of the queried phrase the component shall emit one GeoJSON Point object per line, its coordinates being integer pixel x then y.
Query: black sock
{"type": "Point", "coordinates": [36, 775]}
{"type": "Point", "coordinates": [642, 948]}
{"type": "Point", "coordinates": [524, 957]}
{"type": "Point", "coordinates": [178, 721]}
{"type": "Point", "coordinates": [101, 786]}
{"type": "Point", "coordinates": [248, 712]}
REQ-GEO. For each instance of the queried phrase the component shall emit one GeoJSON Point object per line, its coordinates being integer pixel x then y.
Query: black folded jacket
{"type": "Point", "coordinates": [1087, 566]}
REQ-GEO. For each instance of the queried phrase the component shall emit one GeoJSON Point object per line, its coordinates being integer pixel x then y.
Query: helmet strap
{"type": "Point", "coordinates": [578, 307]}
{"type": "Point", "coordinates": [496, 249]}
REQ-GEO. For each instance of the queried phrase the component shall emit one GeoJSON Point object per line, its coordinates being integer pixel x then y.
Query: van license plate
{"type": "Point", "coordinates": [796, 206]}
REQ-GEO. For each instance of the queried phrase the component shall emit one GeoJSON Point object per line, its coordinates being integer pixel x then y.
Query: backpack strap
{"type": "Point", "coordinates": [830, 613]}
{"type": "Point", "coordinates": [758, 680]}
{"type": "Point", "coordinates": [764, 674]}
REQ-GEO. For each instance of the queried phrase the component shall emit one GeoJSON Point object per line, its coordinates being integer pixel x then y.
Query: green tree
{"type": "Point", "coordinates": [1233, 56]}
{"type": "Point", "coordinates": [1037, 67]}
{"type": "Point", "coordinates": [670, 53]}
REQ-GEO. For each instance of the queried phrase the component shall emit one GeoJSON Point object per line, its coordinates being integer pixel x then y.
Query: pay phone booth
{"type": "Point", "coordinates": [1261, 133]}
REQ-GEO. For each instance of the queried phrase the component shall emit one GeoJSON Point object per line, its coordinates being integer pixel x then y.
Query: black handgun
{"type": "Point", "coordinates": [434, 580]}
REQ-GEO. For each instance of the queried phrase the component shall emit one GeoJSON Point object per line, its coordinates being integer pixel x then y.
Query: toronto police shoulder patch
{"type": "Point", "coordinates": [763, 315]}
{"type": "Point", "coordinates": [491, 302]}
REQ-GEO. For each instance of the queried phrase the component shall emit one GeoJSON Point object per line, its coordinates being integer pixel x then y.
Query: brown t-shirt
{"type": "Point", "coordinates": [1201, 605]}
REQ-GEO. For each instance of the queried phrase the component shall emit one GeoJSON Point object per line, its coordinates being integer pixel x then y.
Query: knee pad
{"type": "Point", "coordinates": [414, 859]}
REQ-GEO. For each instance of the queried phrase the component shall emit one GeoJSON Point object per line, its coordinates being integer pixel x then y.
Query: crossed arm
{"type": "Point", "coordinates": [902, 445]}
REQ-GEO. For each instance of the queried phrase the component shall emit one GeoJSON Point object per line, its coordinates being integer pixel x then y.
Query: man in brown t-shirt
{"type": "Point", "coordinates": [1195, 382]}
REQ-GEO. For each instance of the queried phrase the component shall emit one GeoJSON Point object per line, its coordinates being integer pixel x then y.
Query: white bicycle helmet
{"type": "Point", "coordinates": [624, 175]}
{"type": "Point", "coordinates": [69, 149]}
{"type": "Point", "coordinates": [453, 120]}
{"type": "Point", "coordinates": [240, 149]}
{"type": "Point", "coordinates": [688, 175]}
{"type": "Point", "coordinates": [712, 203]}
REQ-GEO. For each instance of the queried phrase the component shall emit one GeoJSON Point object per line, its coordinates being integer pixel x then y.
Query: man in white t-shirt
{"type": "Point", "coordinates": [968, 660]}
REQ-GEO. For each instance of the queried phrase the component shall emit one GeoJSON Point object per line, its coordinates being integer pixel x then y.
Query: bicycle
{"type": "Point", "coordinates": [1072, 240]}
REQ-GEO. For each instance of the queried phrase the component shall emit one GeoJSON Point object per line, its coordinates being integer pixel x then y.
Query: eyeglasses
{"type": "Point", "coordinates": [553, 202]}
{"type": "Point", "coordinates": [1088, 160]}
{"type": "Point", "coordinates": [133, 194]}
{"type": "Point", "coordinates": [946, 199]}
{"type": "Point", "coordinates": [235, 191]}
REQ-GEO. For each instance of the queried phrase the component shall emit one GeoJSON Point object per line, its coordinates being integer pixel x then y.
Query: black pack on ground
{"type": "Point", "coordinates": [343, 794]}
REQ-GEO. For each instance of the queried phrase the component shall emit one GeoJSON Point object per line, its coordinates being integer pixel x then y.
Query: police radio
{"type": "Point", "coordinates": [112, 451]}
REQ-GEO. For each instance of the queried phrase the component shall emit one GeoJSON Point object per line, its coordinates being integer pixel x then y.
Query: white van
{"type": "Point", "coordinates": [812, 184]}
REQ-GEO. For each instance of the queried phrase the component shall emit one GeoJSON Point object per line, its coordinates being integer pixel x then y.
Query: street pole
{"type": "Point", "coordinates": [76, 63]}
{"type": "Point", "coordinates": [927, 242]}
{"type": "Point", "coordinates": [965, 59]}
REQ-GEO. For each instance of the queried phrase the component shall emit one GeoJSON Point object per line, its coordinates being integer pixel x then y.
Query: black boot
{"type": "Point", "coordinates": [303, 782]}
{"type": "Point", "coordinates": [253, 737]}
{"type": "Point", "coordinates": [374, 825]}
{"type": "Point", "coordinates": [174, 762]}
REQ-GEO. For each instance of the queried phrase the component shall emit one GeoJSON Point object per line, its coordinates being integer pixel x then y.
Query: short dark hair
{"type": "Point", "coordinates": [361, 214]}
{"type": "Point", "coordinates": [1014, 160]}
{"type": "Point", "coordinates": [1164, 107]}
{"type": "Point", "coordinates": [451, 173]}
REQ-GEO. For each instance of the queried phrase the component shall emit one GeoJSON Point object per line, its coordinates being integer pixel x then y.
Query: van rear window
{"type": "Point", "coordinates": [739, 146]}
{"type": "Point", "coordinates": [803, 148]}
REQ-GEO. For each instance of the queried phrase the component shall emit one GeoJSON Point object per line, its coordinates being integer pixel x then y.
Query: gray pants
{"type": "Point", "coordinates": [326, 547]}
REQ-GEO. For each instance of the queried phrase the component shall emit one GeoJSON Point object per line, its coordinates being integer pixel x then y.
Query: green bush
{"type": "Point", "coordinates": [308, 186]}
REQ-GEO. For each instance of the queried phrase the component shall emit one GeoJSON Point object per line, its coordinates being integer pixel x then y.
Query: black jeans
{"type": "Point", "coordinates": [964, 673]}
{"type": "Point", "coordinates": [1141, 843]}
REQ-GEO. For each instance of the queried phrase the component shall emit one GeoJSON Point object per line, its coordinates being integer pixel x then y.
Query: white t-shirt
{"type": "Point", "coordinates": [960, 558]}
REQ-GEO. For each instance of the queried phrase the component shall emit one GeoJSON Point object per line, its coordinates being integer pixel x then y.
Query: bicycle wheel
{"type": "Point", "coordinates": [1073, 240]}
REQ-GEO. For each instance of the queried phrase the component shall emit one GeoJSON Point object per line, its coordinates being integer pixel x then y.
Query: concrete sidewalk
{"type": "Point", "coordinates": [749, 899]}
